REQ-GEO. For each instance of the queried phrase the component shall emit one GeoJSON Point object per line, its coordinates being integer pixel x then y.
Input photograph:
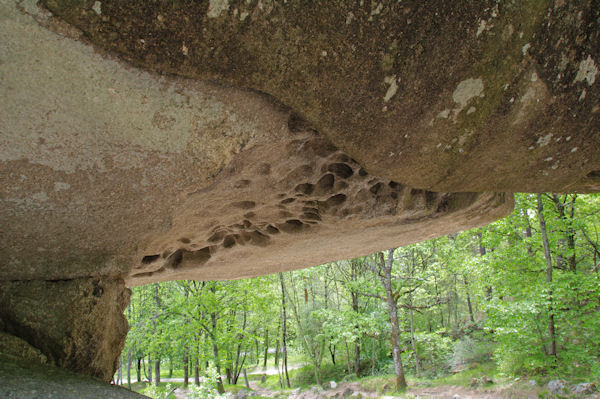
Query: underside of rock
{"type": "Point", "coordinates": [149, 141]}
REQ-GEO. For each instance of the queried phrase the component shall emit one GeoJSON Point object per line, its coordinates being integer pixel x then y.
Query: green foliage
{"type": "Point", "coordinates": [476, 296]}
{"type": "Point", "coordinates": [520, 308]}
{"type": "Point", "coordinates": [434, 350]}
{"type": "Point", "coordinates": [468, 350]}
{"type": "Point", "coordinates": [305, 376]}
{"type": "Point", "coordinates": [207, 388]}
{"type": "Point", "coordinates": [464, 378]}
{"type": "Point", "coordinates": [376, 383]}
{"type": "Point", "coordinates": [159, 392]}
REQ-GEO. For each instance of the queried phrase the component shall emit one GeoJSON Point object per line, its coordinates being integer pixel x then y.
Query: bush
{"type": "Point", "coordinates": [159, 392]}
{"type": "Point", "coordinates": [208, 388]}
{"type": "Point", "coordinates": [306, 375]}
{"type": "Point", "coordinates": [469, 350]}
{"type": "Point", "coordinates": [434, 352]}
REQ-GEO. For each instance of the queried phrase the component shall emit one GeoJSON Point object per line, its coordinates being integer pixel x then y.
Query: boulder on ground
{"type": "Point", "coordinates": [584, 388]}
{"type": "Point", "coordinates": [557, 386]}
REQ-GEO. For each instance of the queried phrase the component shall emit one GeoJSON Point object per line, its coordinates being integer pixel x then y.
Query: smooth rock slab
{"type": "Point", "coordinates": [18, 381]}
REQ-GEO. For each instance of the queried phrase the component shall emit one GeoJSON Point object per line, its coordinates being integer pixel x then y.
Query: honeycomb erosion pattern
{"type": "Point", "coordinates": [308, 192]}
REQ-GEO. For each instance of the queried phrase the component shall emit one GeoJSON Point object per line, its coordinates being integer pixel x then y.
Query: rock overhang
{"type": "Point", "coordinates": [112, 170]}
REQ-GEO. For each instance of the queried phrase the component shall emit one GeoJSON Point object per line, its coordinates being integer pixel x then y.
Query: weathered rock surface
{"type": "Point", "coordinates": [298, 203]}
{"type": "Point", "coordinates": [76, 324]}
{"type": "Point", "coordinates": [107, 167]}
{"type": "Point", "coordinates": [437, 95]}
{"type": "Point", "coordinates": [15, 350]}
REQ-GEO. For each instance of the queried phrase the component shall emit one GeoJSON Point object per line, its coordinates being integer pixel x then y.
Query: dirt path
{"type": "Point", "coordinates": [272, 370]}
{"type": "Point", "coordinates": [441, 392]}
{"type": "Point", "coordinates": [450, 392]}
{"type": "Point", "coordinates": [346, 389]}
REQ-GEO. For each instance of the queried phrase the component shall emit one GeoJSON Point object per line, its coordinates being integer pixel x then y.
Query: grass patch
{"type": "Point", "coordinates": [161, 391]}
{"type": "Point", "coordinates": [272, 382]}
{"type": "Point", "coordinates": [136, 386]}
{"type": "Point", "coordinates": [176, 373]}
{"type": "Point", "coordinates": [376, 383]}
{"type": "Point", "coordinates": [305, 376]}
{"type": "Point", "coordinates": [234, 388]}
{"type": "Point", "coordinates": [463, 378]}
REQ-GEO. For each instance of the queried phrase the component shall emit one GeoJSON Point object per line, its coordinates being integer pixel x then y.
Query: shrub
{"type": "Point", "coordinates": [469, 350]}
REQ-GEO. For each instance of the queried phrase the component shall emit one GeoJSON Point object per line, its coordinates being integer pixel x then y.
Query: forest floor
{"type": "Point", "coordinates": [353, 390]}
{"type": "Point", "coordinates": [454, 386]}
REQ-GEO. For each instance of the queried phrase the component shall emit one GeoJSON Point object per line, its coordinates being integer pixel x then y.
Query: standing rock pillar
{"type": "Point", "coordinates": [78, 324]}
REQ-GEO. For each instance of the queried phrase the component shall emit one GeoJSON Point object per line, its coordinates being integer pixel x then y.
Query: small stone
{"type": "Point", "coordinates": [332, 384]}
{"type": "Point", "coordinates": [97, 7]}
{"type": "Point", "coordinates": [485, 380]}
{"type": "Point", "coordinates": [557, 386]}
{"type": "Point", "coordinates": [585, 388]}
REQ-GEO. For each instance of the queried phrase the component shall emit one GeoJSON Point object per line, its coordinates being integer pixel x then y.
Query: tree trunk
{"type": "Point", "coordinates": [568, 242]}
{"type": "Point", "coordinates": [197, 371]}
{"type": "Point", "coordinates": [276, 360]}
{"type": "Point", "coordinates": [412, 336]}
{"type": "Point", "coordinates": [129, 369]}
{"type": "Point", "coordinates": [332, 352]}
{"type": "Point", "coordinates": [469, 305]}
{"type": "Point", "coordinates": [373, 356]}
{"type": "Point", "coordinates": [139, 369]}
{"type": "Point", "coordinates": [266, 348]}
{"type": "Point", "coordinates": [354, 276]}
{"type": "Point", "coordinates": [157, 362]}
{"type": "Point", "coordinates": [157, 372]}
{"type": "Point", "coordinates": [283, 334]}
{"type": "Point", "coordinates": [257, 347]}
{"type": "Point", "coordinates": [246, 379]}
{"type": "Point", "coordinates": [186, 367]}
{"type": "Point", "coordinates": [150, 369]}
{"type": "Point", "coordinates": [551, 329]}
{"type": "Point", "coordinates": [386, 279]}
{"type": "Point", "coordinates": [357, 357]}
{"type": "Point", "coordinates": [120, 372]}
{"type": "Point", "coordinates": [229, 375]}
{"type": "Point", "coordinates": [439, 300]}
{"type": "Point", "coordinates": [528, 233]}
{"type": "Point", "coordinates": [213, 318]}
{"type": "Point", "coordinates": [348, 362]}
{"type": "Point", "coordinates": [482, 251]}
